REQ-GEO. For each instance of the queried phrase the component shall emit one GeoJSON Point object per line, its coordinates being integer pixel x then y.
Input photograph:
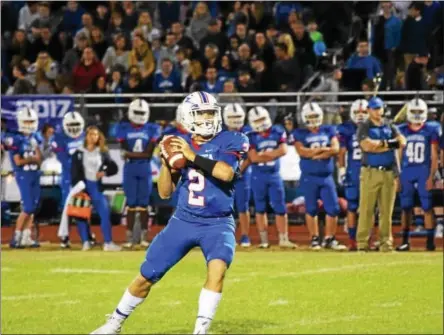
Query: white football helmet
{"type": "Point", "coordinates": [73, 124]}
{"type": "Point", "coordinates": [312, 115]}
{"type": "Point", "coordinates": [417, 111]}
{"type": "Point", "coordinates": [358, 111]}
{"type": "Point", "coordinates": [193, 119]}
{"type": "Point", "coordinates": [259, 119]}
{"type": "Point", "coordinates": [234, 116]}
{"type": "Point", "coordinates": [27, 120]}
{"type": "Point", "coordinates": [139, 112]}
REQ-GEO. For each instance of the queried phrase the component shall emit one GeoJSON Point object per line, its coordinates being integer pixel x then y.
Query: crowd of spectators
{"type": "Point", "coordinates": [177, 46]}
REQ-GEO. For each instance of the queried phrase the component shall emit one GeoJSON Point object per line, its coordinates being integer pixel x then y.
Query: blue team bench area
{"type": "Point", "coordinates": [51, 207]}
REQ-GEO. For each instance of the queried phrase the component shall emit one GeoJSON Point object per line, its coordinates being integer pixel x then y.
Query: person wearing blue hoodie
{"type": "Point", "coordinates": [362, 60]}
{"type": "Point", "coordinates": [212, 84]}
{"type": "Point", "coordinates": [72, 18]}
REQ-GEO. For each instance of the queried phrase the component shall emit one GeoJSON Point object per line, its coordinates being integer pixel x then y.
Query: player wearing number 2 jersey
{"type": "Point", "coordinates": [349, 170]}
{"type": "Point", "coordinates": [419, 165]}
{"type": "Point", "coordinates": [138, 139]}
{"type": "Point", "coordinates": [26, 159]}
{"type": "Point", "coordinates": [317, 145]}
{"type": "Point", "coordinates": [268, 144]}
{"type": "Point", "coordinates": [203, 216]}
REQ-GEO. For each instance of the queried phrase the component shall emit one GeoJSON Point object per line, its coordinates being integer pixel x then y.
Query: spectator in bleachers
{"type": "Point", "coordinates": [166, 80]}
{"type": "Point", "coordinates": [288, 41]}
{"type": "Point", "coordinates": [272, 34]}
{"type": "Point", "coordinates": [28, 13]}
{"type": "Point", "coordinates": [211, 85]}
{"type": "Point", "coordinates": [241, 32]}
{"type": "Point", "coordinates": [431, 15]}
{"type": "Point", "coordinates": [98, 42]}
{"type": "Point", "coordinates": [87, 70]}
{"type": "Point", "coordinates": [211, 57]}
{"type": "Point", "coordinates": [303, 44]}
{"type": "Point", "coordinates": [245, 84]}
{"type": "Point", "coordinates": [21, 84]}
{"type": "Point", "coordinates": [44, 64]}
{"type": "Point", "coordinates": [226, 70]}
{"type": "Point", "coordinates": [134, 85]}
{"type": "Point", "coordinates": [414, 35]}
{"type": "Point", "coordinates": [72, 56]}
{"type": "Point", "coordinates": [313, 31]}
{"type": "Point", "coordinates": [49, 43]}
{"type": "Point", "coordinates": [263, 77]}
{"type": "Point", "coordinates": [116, 27]}
{"type": "Point", "coordinates": [42, 83]}
{"type": "Point", "coordinates": [116, 54]}
{"type": "Point", "coordinates": [146, 24]}
{"type": "Point", "coordinates": [20, 48]}
{"type": "Point", "coordinates": [263, 48]}
{"type": "Point", "coordinates": [386, 39]}
{"type": "Point", "coordinates": [101, 17]}
{"type": "Point", "coordinates": [362, 60]}
{"type": "Point", "coordinates": [415, 76]}
{"type": "Point", "coordinates": [72, 18]}
{"type": "Point", "coordinates": [283, 9]}
{"type": "Point", "coordinates": [115, 83]}
{"type": "Point", "coordinates": [230, 87]}
{"type": "Point", "coordinates": [183, 66]}
{"type": "Point", "coordinates": [182, 40]}
{"type": "Point", "coordinates": [286, 70]}
{"type": "Point", "coordinates": [44, 19]}
{"type": "Point", "coordinates": [87, 25]}
{"type": "Point", "coordinates": [142, 56]}
{"type": "Point", "coordinates": [234, 46]}
{"type": "Point", "coordinates": [196, 76]}
{"type": "Point", "coordinates": [168, 50]}
{"type": "Point", "coordinates": [199, 22]}
{"type": "Point", "coordinates": [244, 60]}
{"type": "Point", "coordinates": [214, 36]}
{"type": "Point", "coordinates": [169, 12]}
{"type": "Point", "coordinates": [367, 88]}
{"type": "Point", "coordinates": [130, 15]}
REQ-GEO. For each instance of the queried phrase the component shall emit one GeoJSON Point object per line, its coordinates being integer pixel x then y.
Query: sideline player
{"type": "Point", "coordinates": [26, 159]}
{"type": "Point", "coordinates": [64, 145]}
{"type": "Point", "coordinates": [137, 139]}
{"type": "Point", "coordinates": [317, 145]}
{"type": "Point", "coordinates": [234, 120]}
{"type": "Point", "coordinates": [419, 166]}
{"type": "Point", "coordinates": [203, 216]}
{"type": "Point", "coordinates": [176, 129]}
{"type": "Point", "coordinates": [268, 143]}
{"type": "Point", "coordinates": [349, 173]}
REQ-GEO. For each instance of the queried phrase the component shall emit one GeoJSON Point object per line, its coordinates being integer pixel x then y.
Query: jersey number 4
{"type": "Point", "coordinates": [138, 145]}
{"type": "Point", "coordinates": [415, 152]}
{"type": "Point", "coordinates": [197, 184]}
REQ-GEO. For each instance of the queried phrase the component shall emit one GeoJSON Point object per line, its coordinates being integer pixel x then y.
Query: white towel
{"type": "Point", "coordinates": [64, 223]}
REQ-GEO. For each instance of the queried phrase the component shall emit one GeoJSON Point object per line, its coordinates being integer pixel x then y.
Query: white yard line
{"type": "Point", "coordinates": [88, 271]}
{"type": "Point", "coordinates": [279, 302]}
{"type": "Point", "coordinates": [32, 296]}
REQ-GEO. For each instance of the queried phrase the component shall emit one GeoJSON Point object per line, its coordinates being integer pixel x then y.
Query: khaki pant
{"type": "Point", "coordinates": [376, 186]}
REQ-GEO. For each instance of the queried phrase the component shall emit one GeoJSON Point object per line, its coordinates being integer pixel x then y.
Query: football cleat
{"type": "Point", "coordinates": [403, 247]}
{"type": "Point", "coordinates": [333, 244]}
{"type": "Point", "coordinates": [245, 241]}
{"type": "Point", "coordinates": [65, 244]}
{"type": "Point", "coordinates": [315, 245]}
{"type": "Point", "coordinates": [144, 244]}
{"type": "Point", "coordinates": [287, 244]}
{"type": "Point", "coordinates": [127, 245]}
{"type": "Point", "coordinates": [86, 246]}
{"type": "Point", "coordinates": [112, 326]}
{"type": "Point", "coordinates": [264, 245]}
{"type": "Point", "coordinates": [111, 246]}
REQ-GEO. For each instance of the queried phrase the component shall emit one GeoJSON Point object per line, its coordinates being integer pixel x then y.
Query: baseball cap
{"type": "Point", "coordinates": [375, 103]}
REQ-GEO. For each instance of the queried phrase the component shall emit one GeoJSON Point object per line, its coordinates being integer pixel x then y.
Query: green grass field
{"type": "Point", "coordinates": [54, 292]}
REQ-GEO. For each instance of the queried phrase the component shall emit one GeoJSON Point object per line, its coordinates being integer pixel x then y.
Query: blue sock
{"type": "Point", "coordinates": [352, 233]}
{"type": "Point", "coordinates": [82, 227]}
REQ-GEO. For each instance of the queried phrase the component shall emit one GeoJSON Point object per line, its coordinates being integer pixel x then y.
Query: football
{"type": "Point", "coordinates": [175, 160]}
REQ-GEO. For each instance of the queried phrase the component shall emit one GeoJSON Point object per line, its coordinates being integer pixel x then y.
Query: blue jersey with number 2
{"type": "Point", "coordinates": [349, 141]}
{"type": "Point", "coordinates": [201, 196]}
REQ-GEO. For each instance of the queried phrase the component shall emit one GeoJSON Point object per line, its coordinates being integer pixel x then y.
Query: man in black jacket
{"type": "Point", "coordinates": [415, 77]}
{"type": "Point", "coordinates": [303, 44]}
{"type": "Point", "coordinates": [263, 77]}
{"type": "Point", "coordinates": [214, 36]}
{"type": "Point", "coordinates": [286, 70]}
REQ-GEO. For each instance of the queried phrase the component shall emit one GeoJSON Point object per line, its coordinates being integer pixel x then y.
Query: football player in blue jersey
{"type": "Point", "coordinates": [418, 168]}
{"type": "Point", "coordinates": [26, 159]}
{"type": "Point", "coordinates": [138, 139]}
{"type": "Point", "coordinates": [349, 161]}
{"type": "Point", "coordinates": [234, 120]}
{"type": "Point", "coordinates": [203, 216]}
{"type": "Point", "coordinates": [317, 145]}
{"type": "Point", "coordinates": [268, 143]}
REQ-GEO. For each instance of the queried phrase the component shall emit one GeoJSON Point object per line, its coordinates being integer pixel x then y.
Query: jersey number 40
{"type": "Point", "coordinates": [415, 152]}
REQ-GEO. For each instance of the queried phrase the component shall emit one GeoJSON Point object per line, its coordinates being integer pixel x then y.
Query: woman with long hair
{"type": "Point", "coordinates": [145, 24]}
{"type": "Point", "coordinates": [199, 22]}
{"type": "Point", "coordinates": [116, 54]}
{"type": "Point", "coordinates": [288, 41]}
{"type": "Point", "coordinates": [142, 56]}
{"type": "Point", "coordinates": [98, 42]}
{"type": "Point", "coordinates": [90, 164]}
{"type": "Point", "coordinates": [195, 76]}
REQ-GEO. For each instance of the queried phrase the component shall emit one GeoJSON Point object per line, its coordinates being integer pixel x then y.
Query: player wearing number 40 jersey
{"type": "Point", "coordinates": [317, 145]}
{"type": "Point", "coordinates": [203, 216]}
{"type": "Point", "coordinates": [26, 159]}
{"type": "Point", "coordinates": [138, 139]}
{"type": "Point", "coordinates": [419, 165]}
{"type": "Point", "coordinates": [349, 170]}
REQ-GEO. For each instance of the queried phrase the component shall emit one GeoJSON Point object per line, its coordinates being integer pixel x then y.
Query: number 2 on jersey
{"type": "Point", "coordinates": [197, 184]}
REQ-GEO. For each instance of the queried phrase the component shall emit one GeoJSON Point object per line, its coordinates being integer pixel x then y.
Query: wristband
{"type": "Point", "coordinates": [205, 164]}
{"type": "Point", "coordinates": [393, 143]}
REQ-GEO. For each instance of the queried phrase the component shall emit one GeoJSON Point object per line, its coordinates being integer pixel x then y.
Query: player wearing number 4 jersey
{"type": "Point", "coordinates": [138, 139]}
{"type": "Point", "coordinates": [26, 160]}
{"type": "Point", "coordinates": [203, 216]}
{"type": "Point", "coordinates": [419, 165]}
{"type": "Point", "coordinates": [317, 145]}
{"type": "Point", "coordinates": [349, 170]}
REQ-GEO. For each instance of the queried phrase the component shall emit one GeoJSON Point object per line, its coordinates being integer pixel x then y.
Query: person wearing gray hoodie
{"type": "Point", "coordinates": [199, 23]}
